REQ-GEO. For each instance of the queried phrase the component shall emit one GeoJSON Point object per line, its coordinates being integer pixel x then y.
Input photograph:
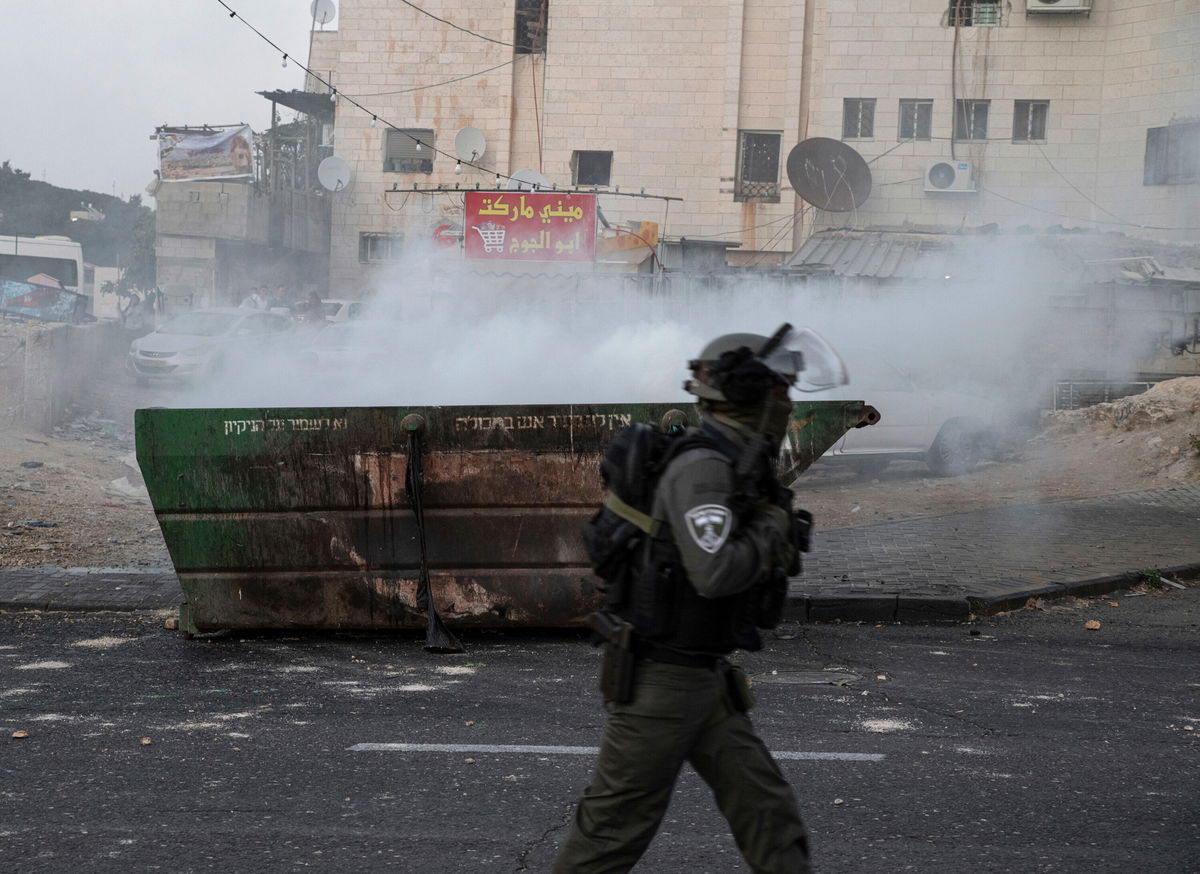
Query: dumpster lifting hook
{"type": "Point", "coordinates": [438, 638]}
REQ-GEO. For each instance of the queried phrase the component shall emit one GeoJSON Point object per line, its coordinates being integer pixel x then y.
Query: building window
{"type": "Point", "coordinates": [1172, 154]}
{"type": "Point", "coordinates": [974, 13]}
{"type": "Point", "coordinates": [409, 150]}
{"type": "Point", "coordinates": [380, 248]}
{"type": "Point", "coordinates": [591, 168]}
{"type": "Point", "coordinates": [858, 118]}
{"type": "Point", "coordinates": [758, 167]}
{"type": "Point", "coordinates": [529, 31]}
{"type": "Point", "coordinates": [1029, 120]}
{"type": "Point", "coordinates": [971, 119]}
{"type": "Point", "coordinates": [916, 120]}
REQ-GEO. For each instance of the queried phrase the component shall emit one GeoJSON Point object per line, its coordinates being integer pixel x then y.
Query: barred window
{"type": "Point", "coordinates": [858, 118]}
{"type": "Point", "coordinates": [916, 120]}
{"type": "Point", "coordinates": [529, 32]}
{"type": "Point", "coordinates": [974, 13]}
{"type": "Point", "coordinates": [758, 166]}
{"type": "Point", "coordinates": [1029, 120]}
{"type": "Point", "coordinates": [971, 119]}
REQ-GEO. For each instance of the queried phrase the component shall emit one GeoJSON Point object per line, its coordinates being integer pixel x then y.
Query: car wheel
{"type": "Point", "coordinates": [955, 450]}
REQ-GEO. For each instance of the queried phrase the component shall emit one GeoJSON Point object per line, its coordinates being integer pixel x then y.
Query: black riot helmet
{"type": "Point", "coordinates": [742, 368]}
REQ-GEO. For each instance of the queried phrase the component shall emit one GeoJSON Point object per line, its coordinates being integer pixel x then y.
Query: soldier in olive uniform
{"type": "Point", "coordinates": [688, 704]}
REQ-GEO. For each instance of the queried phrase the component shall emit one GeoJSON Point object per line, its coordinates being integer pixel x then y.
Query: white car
{"type": "Point", "coordinates": [950, 431]}
{"type": "Point", "coordinates": [341, 310]}
{"type": "Point", "coordinates": [353, 346]}
{"type": "Point", "coordinates": [197, 342]}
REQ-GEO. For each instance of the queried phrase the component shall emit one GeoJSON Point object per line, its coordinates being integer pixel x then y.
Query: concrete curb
{"type": "Point", "coordinates": [116, 591]}
{"type": "Point", "coordinates": [916, 607]}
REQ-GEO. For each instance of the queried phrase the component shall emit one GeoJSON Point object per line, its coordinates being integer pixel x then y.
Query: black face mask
{"type": "Point", "coordinates": [744, 378]}
{"type": "Point", "coordinates": [776, 416]}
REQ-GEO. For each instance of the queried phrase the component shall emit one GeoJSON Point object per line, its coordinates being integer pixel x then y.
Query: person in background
{"type": "Point", "coordinates": [256, 299]}
{"type": "Point", "coordinates": [314, 309]}
{"type": "Point", "coordinates": [280, 300]}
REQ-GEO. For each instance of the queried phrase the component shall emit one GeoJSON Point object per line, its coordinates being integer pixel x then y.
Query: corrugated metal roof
{"type": "Point", "coordinates": [875, 255]}
{"type": "Point", "coordinates": [899, 256]}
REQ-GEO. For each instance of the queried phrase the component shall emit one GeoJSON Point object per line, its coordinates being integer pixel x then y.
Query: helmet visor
{"type": "Point", "coordinates": [805, 356]}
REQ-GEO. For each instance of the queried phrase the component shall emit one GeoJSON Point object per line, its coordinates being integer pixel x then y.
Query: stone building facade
{"type": "Point", "coordinates": [1088, 119]}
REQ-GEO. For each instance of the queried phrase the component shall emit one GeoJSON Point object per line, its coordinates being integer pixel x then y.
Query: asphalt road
{"type": "Point", "coordinates": [1023, 743]}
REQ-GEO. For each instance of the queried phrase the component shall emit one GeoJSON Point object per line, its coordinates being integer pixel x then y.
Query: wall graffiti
{"type": "Point", "coordinates": [257, 426]}
{"type": "Point", "coordinates": [598, 422]}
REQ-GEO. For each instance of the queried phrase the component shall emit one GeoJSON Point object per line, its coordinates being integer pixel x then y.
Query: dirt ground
{"type": "Point", "coordinates": [72, 499]}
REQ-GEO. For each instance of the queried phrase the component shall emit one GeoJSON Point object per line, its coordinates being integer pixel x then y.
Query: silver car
{"type": "Point", "coordinates": [196, 343]}
{"type": "Point", "coordinates": [950, 431]}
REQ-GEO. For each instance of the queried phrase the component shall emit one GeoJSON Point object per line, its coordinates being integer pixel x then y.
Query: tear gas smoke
{"type": "Point", "coordinates": [437, 333]}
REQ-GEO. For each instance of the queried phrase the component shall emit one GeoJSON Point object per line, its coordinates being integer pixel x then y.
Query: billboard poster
{"type": "Point", "coordinates": [530, 226]}
{"type": "Point", "coordinates": [194, 157]}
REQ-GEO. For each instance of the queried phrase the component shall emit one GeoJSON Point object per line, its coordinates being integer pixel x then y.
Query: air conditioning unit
{"type": "Point", "coordinates": [949, 176]}
{"type": "Point", "coordinates": [1058, 6]}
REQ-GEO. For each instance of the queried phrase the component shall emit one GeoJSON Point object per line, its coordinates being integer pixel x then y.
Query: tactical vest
{"type": "Point", "coordinates": [659, 600]}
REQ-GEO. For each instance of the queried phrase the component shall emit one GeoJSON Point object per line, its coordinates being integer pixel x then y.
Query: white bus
{"type": "Point", "coordinates": [24, 258]}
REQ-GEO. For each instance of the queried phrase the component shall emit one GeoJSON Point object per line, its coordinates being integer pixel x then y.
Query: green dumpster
{"type": "Point", "coordinates": [300, 518]}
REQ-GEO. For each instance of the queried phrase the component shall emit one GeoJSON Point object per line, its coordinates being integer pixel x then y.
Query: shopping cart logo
{"type": "Point", "coordinates": [492, 235]}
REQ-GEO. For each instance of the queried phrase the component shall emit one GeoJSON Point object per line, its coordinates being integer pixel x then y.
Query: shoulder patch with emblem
{"type": "Point", "coordinates": [709, 526]}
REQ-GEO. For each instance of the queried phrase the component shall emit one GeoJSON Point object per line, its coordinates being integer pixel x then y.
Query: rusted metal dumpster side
{"type": "Point", "coordinates": [299, 518]}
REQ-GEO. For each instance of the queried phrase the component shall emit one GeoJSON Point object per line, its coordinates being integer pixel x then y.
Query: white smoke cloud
{"type": "Point", "coordinates": [449, 336]}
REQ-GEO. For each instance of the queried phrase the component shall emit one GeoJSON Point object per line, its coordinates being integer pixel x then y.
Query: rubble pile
{"type": "Point", "coordinates": [1158, 431]}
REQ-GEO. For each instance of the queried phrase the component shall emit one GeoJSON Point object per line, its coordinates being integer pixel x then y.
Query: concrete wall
{"type": "Point", "coordinates": [56, 367]}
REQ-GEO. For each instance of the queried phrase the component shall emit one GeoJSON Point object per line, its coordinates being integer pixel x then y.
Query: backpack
{"type": "Point", "coordinates": [616, 536]}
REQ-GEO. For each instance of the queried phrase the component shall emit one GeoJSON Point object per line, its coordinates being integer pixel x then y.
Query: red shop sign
{"type": "Point", "coordinates": [530, 226]}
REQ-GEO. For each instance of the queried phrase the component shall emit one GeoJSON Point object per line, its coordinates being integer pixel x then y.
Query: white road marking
{"type": "Point", "coordinates": [580, 751]}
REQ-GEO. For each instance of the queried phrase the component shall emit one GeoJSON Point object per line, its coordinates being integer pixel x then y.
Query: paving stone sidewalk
{"type": "Point", "coordinates": [947, 567]}
{"type": "Point", "coordinates": [932, 568]}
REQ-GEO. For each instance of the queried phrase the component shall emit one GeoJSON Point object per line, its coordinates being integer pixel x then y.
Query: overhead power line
{"type": "Point", "coordinates": [455, 26]}
{"type": "Point", "coordinates": [375, 117]}
{"type": "Point", "coordinates": [435, 84]}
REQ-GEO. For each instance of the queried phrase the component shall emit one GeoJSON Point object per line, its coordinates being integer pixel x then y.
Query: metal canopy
{"type": "Point", "coordinates": [307, 102]}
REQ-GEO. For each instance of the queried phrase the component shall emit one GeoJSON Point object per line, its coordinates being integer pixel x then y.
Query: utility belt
{"type": "Point", "coordinates": [645, 649]}
{"type": "Point", "coordinates": [623, 650]}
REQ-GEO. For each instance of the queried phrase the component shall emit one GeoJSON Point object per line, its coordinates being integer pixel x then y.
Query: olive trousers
{"type": "Point", "coordinates": [682, 714]}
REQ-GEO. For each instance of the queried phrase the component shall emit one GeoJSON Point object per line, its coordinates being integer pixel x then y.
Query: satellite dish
{"type": "Point", "coordinates": [334, 174]}
{"type": "Point", "coordinates": [527, 180]}
{"type": "Point", "coordinates": [829, 174]}
{"type": "Point", "coordinates": [469, 144]}
{"type": "Point", "coordinates": [323, 11]}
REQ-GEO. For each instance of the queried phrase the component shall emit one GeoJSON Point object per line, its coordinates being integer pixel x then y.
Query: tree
{"type": "Point", "coordinates": [141, 271]}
